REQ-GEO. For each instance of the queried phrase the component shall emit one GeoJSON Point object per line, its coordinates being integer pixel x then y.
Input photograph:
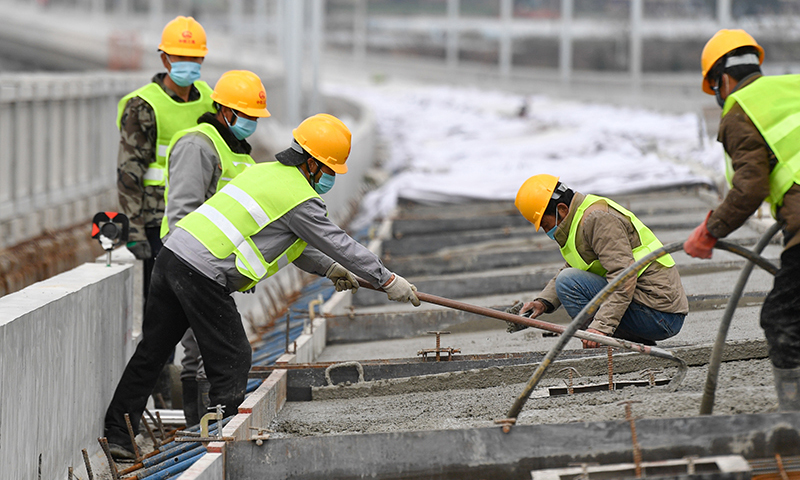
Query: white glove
{"type": "Point", "coordinates": [342, 278]}
{"type": "Point", "coordinates": [399, 290]}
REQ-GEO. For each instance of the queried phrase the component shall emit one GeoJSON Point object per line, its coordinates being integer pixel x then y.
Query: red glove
{"type": "Point", "coordinates": [700, 243]}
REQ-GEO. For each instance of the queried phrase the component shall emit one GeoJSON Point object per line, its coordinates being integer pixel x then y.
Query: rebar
{"type": "Point", "coordinates": [69, 473]}
{"type": "Point", "coordinates": [160, 424]}
{"type": "Point", "coordinates": [133, 438]}
{"type": "Point", "coordinates": [571, 370]}
{"type": "Point", "coordinates": [150, 432]}
{"type": "Point", "coordinates": [637, 452]}
{"type": "Point", "coordinates": [610, 352]}
{"type": "Point", "coordinates": [111, 465]}
{"type": "Point", "coordinates": [88, 464]}
{"type": "Point", "coordinates": [781, 470]}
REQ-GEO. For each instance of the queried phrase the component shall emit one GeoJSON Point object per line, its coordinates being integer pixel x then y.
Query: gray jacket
{"type": "Point", "coordinates": [326, 243]}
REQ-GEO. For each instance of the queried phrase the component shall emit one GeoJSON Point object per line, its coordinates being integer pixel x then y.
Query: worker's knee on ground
{"type": "Point", "coordinates": [568, 282]}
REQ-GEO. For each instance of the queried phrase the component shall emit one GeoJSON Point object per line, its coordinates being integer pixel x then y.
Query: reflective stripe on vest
{"type": "Point", "coordinates": [171, 117]}
{"type": "Point", "coordinates": [225, 223]}
{"type": "Point", "coordinates": [648, 239]}
{"type": "Point", "coordinates": [773, 105]}
{"type": "Point", "coordinates": [232, 164]}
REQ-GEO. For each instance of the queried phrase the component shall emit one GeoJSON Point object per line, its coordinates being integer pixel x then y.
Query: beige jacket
{"type": "Point", "coordinates": [606, 235]}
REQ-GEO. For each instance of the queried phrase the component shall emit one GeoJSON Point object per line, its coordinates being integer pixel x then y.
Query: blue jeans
{"type": "Point", "coordinates": [576, 288]}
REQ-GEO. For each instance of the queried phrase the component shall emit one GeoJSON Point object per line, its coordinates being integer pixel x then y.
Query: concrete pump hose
{"type": "Point", "coordinates": [707, 404]}
{"type": "Point", "coordinates": [591, 308]}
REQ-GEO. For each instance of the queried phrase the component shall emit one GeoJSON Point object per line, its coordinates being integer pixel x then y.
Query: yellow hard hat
{"type": "Point", "coordinates": [184, 36]}
{"type": "Point", "coordinates": [326, 138]}
{"type": "Point", "coordinates": [243, 91]}
{"type": "Point", "coordinates": [722, 43]}
{"type": "Point", "coordinates": [533, 197]}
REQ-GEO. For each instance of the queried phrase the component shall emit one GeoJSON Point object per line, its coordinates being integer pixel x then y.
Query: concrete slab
{"type": "Point", "coordinates": [489, 453]}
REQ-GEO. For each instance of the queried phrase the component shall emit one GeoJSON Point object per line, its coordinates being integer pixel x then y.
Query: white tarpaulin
{"type": "Point", "coordinates": [448, 144]}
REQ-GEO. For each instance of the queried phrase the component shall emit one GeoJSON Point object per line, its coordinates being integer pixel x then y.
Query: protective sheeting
{"type": "Point", "coordinates": [449, 144]}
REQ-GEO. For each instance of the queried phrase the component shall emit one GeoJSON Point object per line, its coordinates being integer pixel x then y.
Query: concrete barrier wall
{"type": "Point", "coordinates": [63, 345]}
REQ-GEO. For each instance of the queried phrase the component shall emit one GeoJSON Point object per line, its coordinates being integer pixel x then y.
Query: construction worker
{"type": "Point", "coordinates": [760, 133]}
{"type": "Point", "coordinates": [201, 160]}
{"type": "Point", "coordinates": [266, 217]}
{"type": "Point", "coordinates": [147, 119]}
{"type": "Point", "coordinates": [599, 239]}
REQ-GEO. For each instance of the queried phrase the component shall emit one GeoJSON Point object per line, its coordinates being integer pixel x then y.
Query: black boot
{"type": "Point", "coordinates": [190, 396]}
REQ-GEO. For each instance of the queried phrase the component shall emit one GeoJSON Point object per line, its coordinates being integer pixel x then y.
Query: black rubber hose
{"type": "Point", "coordinates": [591, 308]}
{"type": "Point", "coordinates": [707, 404]}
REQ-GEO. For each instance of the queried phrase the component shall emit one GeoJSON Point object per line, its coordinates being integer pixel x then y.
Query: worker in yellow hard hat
{"type": "Point", "coordinates": [599, 239]}
{"type": "Point", "coordinates": [760, 134]}
{"type": "Point", "coordinates": [199, 161]}
{"type": "Point", "coordinates": [268, 216]}
{"type": "Point", "coordinates": [147, 119]}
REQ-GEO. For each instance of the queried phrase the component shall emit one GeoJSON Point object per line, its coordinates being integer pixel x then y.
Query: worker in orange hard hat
{"type": "Point", "coordinates": [269, 215]}
{"type": "Point", "coordinates": [147, 119]}
{"type": "Point", "coordinates": [760, 134]}
{"type": "Point", "coordinates": [201, 160]}
{"type": "Point", "coordinates": [599, 239]}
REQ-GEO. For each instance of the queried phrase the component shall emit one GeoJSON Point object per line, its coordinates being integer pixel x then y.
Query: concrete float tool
{"type": "Point", "coordinates": [554, 328]}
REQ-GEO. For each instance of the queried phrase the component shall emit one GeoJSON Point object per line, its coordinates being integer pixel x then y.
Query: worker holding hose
{"type": "Point", "coordinates": [760, 134]}
{"type": "Point", "coordinates": [599, 239]}
{"type": "Point", "coordinates": [268, 216]}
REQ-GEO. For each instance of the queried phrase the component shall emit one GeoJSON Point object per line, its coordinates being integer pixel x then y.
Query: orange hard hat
{"type": "Point", "coordinates": [184, 36]}
{"type": "Point", "coordinates": [533, 197]}
{"type": "Point", "coordinates": [326, 138]}
{"type": "Point", "coordinates": [243, 91]}
{"type": "Point", "coordinates": [722, 43]}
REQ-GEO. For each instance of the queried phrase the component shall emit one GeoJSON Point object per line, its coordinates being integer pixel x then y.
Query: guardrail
{"type": "Point", "coordinates": [58, 145]}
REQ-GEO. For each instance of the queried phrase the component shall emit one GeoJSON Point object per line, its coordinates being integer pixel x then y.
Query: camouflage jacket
{"type": "Point", "coordinates": [144, 206]}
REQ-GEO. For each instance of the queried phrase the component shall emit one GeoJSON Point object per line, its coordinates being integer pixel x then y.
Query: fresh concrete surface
{"type": "Point", "coordinates": [63, 345]}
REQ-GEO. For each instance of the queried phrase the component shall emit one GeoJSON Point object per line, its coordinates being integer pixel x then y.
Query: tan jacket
{"type": "Point", "coordinates": [752, 161]}
{"type": "Point", "coordinates": [606, 235]}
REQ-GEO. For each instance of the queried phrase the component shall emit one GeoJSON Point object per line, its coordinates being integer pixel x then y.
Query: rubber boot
{"type": "Point", "coordinates": [190, 397]}
{"type": "Point", "coordinates": [787, 384]}
{"type": "Point", "coordinates": [203, 387]}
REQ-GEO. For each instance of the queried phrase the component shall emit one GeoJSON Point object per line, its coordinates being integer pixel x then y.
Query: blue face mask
{"type": "Point", "coordinates": [325, 183]}
{"type": "Point", "coordinates": [552, 232]}
{"type": "Point", "coordinates": [243, 128]}
{"type": "Point", "coordinates": [184, 73]}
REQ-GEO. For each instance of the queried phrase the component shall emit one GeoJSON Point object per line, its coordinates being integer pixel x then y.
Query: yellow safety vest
{"type": "Point", "coordinates": [171, 117]}
{"type": "Point", "coordinates": [225, 223]}
{"type": "Point", "coordinates": [232, 164]}
{"type": "Point", "coordinates": [649, 241]}
{"type": "Point", "coordinates": [773, 105]}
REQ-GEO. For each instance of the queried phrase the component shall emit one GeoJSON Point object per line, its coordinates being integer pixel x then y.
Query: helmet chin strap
{"type": "Point", "coordinates": [312, 177]}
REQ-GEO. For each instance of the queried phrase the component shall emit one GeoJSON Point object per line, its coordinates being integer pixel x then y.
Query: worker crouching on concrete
{"type": "Point", "coordinates": [760, 132]}
{"type": "Point", "coordinates": [200, 161]}
{"type": "Point", "coordinates": [270, 215]}
{"type": "Point", "coordinates": [599, 239]}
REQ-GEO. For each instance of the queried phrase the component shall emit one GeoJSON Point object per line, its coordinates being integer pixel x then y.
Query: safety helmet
{"type": "Point", "coordinates": [184, 36]}
{"type": "Point", "coordinates": [326, 138]}
{"type": "Point", "coordinates": [243, 91]}
{"type": "Point", "coordinates": [533, 197]}
{"type": "Point", "coordinates": [722, 43]}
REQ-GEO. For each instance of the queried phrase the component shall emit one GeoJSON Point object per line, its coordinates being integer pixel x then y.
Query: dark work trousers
{"type": "Point", "coordinates": [780, 315]}
{"type": "Point", "coordinates": [154, 239]}
{"type": "Point", "coordinates": [180, 298]}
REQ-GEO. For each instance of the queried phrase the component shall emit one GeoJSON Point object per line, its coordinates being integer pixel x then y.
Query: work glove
{"type": "Point", "coordinates": [140, 250]}
{"type": "Point", "coordinates": [399, 290]}
{"type": "Point", "coordinates": [342, 278]}
{"type": "Point", "coordinates": [700, 243]}
{"type": "Point", "coordinates": [514, 310]}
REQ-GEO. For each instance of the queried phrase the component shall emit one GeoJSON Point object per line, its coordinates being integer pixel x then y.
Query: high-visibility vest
{"type": "Point", "coordinates": [649, 241]}
{"type": "Point", "coordinates": [225, 223]}
{"type": "Point", "coordinates": [773, 105]}
{"type": "Point", "coordinates": [171, 117]}
{"type": "Point", "coordinates": [232, 164]}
